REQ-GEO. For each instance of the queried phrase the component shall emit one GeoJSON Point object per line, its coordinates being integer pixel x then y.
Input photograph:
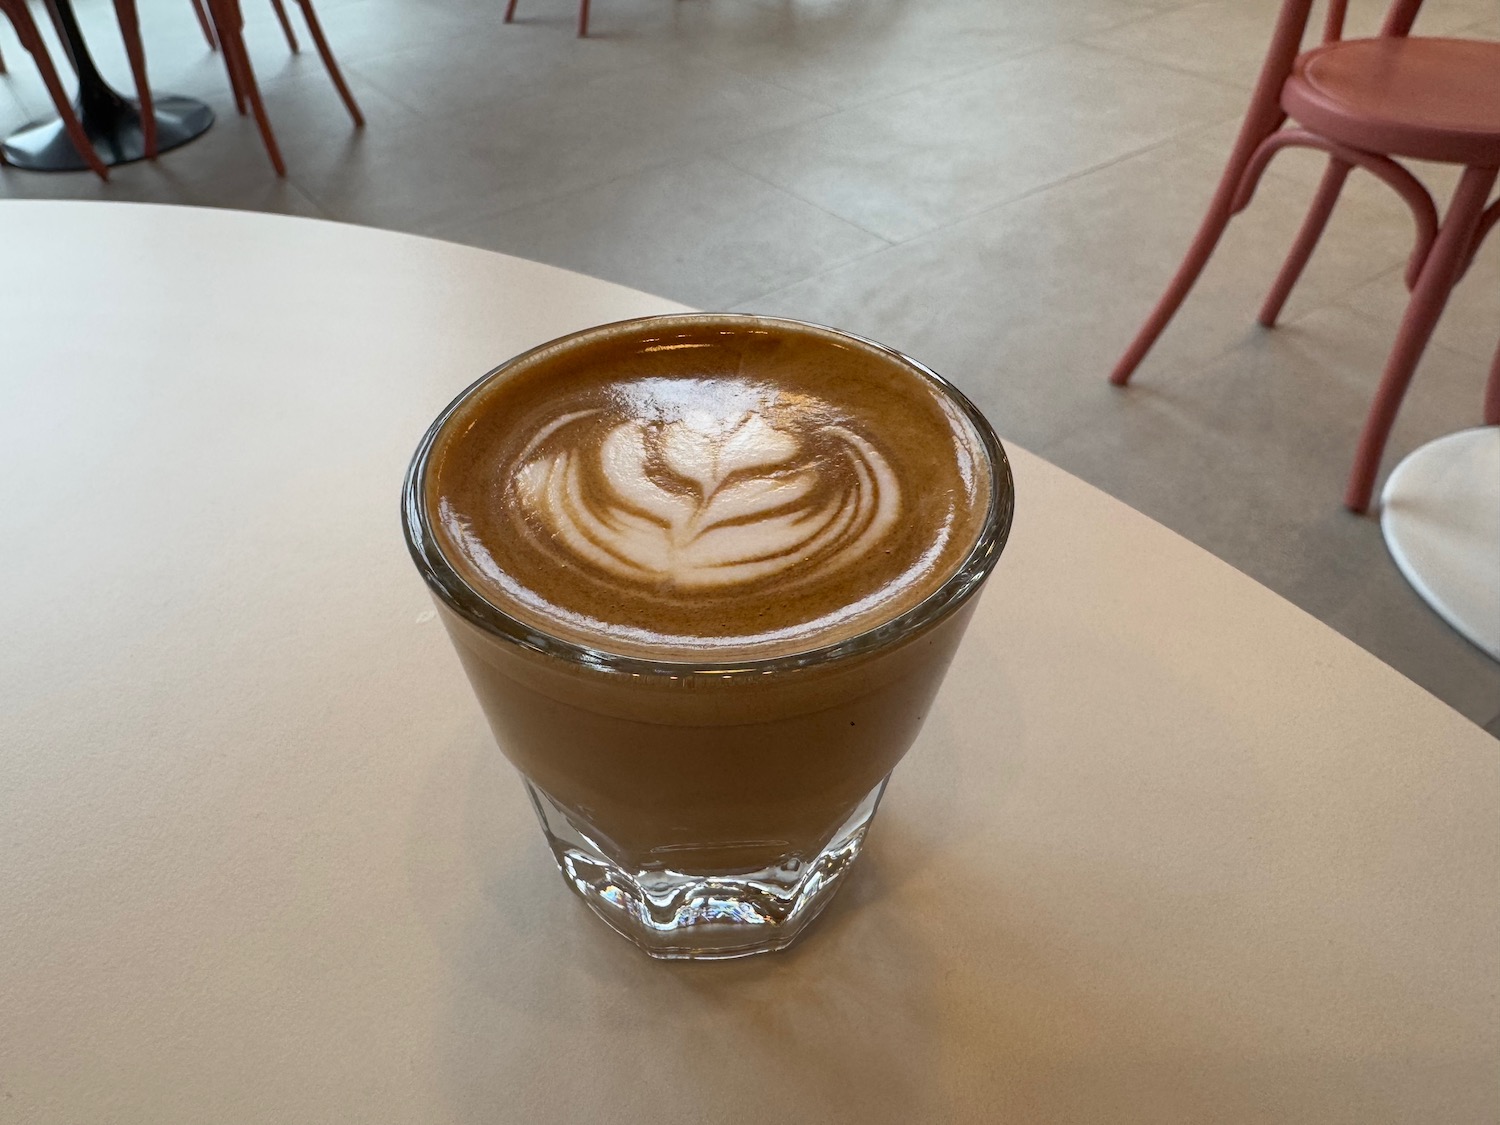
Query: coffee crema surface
{"type": "Point", "coordinates": [707, 488]}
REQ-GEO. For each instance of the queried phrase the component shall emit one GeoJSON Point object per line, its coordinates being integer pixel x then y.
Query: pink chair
{"type": "Point", "coordinates": [1364, 101]}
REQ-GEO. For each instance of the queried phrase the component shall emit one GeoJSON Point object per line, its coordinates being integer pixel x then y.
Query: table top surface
{"type": "Point", "coordinates": [1167, 850]}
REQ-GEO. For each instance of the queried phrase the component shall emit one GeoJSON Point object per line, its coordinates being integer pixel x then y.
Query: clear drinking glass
{"type": "Point", "coordinates": [707, 810]}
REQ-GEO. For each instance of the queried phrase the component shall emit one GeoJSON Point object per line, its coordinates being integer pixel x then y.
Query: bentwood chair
{"type": "Point", "coordinates": [31, 39]}
{"type": "Point", "coordinates": [1365, 102]}
{"type": "Point", "coordinates": [229, 24]}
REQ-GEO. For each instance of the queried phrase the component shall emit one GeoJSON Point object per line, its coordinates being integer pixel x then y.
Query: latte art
{"type": "Point", "coordinates": [704, 501]}
{"type": "Point", "coordinates": [707, 486]}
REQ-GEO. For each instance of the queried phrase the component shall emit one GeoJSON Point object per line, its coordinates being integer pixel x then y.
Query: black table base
{"type": "Point", "coordinates": [112, 122]}
{"type": "Point", "coordinates": [116, 135]}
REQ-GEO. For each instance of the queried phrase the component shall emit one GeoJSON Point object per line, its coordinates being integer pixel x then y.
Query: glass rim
{"type": "Point", "coordinates": [444, 580]}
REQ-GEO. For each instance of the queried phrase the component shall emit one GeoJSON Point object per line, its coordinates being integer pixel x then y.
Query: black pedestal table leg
{"type": "Point", "coordinates": [112, 122]}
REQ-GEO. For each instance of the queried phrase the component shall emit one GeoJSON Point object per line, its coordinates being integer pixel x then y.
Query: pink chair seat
{"type": "Point", "coordinates": [1429, 99]}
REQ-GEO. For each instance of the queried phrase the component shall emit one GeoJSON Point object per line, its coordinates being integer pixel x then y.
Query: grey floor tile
{"type": "Point", "coordinates": [406, 171]}
{"type": "Point", "coordinates": [1253, 510]}
{"type": "Point", "coordinates": [650, 21]}
{"type": "Point", "coordinates": [521, 61]}
{"type": "Point", "coordinates": [809, 23]}
{"type": "Point", "coordinates": [697, 103]}
{"type": "Point", "coordinates": [704, 233]}
{"type": "Point", "coordinates": [361, 29]}
{"type": "Point", "coordinates": [1221, 39]}
{"type": "Point", "coordinates": [372, 175]}
{"type": "Point", "coordinates": [1227, 39]}
{"type": "Point", "coordinates": [544, 147]}
{"type": "Point", "coordinates": [1386, 618]}
{"type": "Point", "coordinates": [226, 167]}
{"type": "Point", "coordinates": [176, 183]}
{"type": "Point", "coordinates": [841, 53]}
{"type": "Point", "coordinates": [11, 110]}
{"type": "Point", "coordinates": [1297, 396]}
{"type": "Point", "coordinates": [1470, 323]}
{"type": "Point", "coordinates": [1027, 306]}
{"type": "Point", "coordinates": [918, 161]}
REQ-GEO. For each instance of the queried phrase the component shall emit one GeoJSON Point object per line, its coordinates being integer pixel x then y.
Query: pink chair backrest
{"type": "Point", "coordinates": [1398, 19]}
{"type": "Point", "coordinates": [1333, 22]}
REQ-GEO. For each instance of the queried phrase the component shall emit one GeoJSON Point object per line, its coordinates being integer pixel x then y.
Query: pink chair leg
{"type": "Point", "coordinates": [231, 67]}
{"type": "Point", "coordinates": [1220, 211]}
{"type": "Point", "coordinates": [1492, 394]}
{"type": "Point", "coordinates": [510, 11]}
{"type": "Point", "coordinates": [1487, 222]}
{"type": "Point", "coordinates": [240, 105]}
{"type": "Point", "coordinates": [1262, 119]}
{"type": "Point", "coordinates": [207, 28]}
{"type": "Point", "coordinates": [62, 36]}
{"type": "Point", "coordinates": [1333, 21]}
{"type": "Point", "coordinates": [1398, 179]}
{"type": "Point", "coordinates": [329, 64]}
{"type": "Point", "coordinates": [230, 25]}
{"type": "Point", "coordinates": [583, 18]}
{"type": "Point", "coordinates": [258, 111]}
{"type": "Point", "coordinates": [1439, 273]}
{"type": "Point", "coordinates": [1399, 17]}
{"type": "Point", "coordinates": [31, 39]}
{"type": "Point", "coordinates": [130, 31]}
{"type": "Point", "coordinates": [286, 27]}
{"type": "Point", "coordinates": [1307, 239]}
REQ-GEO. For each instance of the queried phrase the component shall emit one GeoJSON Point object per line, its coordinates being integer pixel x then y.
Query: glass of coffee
{"type": "Point", "coordinates": [705, 574]}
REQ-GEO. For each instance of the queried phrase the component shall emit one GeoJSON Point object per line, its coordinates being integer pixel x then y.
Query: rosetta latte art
{"type": "Point", "coordinates": [703, 501]}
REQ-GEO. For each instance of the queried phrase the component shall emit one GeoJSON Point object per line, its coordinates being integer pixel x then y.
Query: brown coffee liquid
{"type": "Point", "coordinates": [705, 489]}
{"type": "Point", "coordinates": [708, 489]}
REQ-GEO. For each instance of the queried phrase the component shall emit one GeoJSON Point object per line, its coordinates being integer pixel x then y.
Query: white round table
{"type": "Point", "coordinates": [1168, 849]}
{"type": "Point", "coordinates": [1440, 515]}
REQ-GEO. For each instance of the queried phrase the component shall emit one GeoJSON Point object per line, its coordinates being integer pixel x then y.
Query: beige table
{"type": "Point", "coordinates": [1168, 851]}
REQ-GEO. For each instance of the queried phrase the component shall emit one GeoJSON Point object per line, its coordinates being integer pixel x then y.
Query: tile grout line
{"type": "Point", "coordinates": [815, 206]}
{"type": "Point", "coordinates": [981, 212]}
{"type": "Point", "coordinates": [1129, 56]}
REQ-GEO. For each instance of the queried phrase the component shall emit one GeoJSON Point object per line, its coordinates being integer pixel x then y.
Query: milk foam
{"type": "Point", "coordinates": [707, 500]}
{"type": "Point", "coordinates": [715, 484]}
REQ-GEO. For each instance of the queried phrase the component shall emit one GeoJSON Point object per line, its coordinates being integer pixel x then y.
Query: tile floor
{"type": "Point", "coordinates": [1000, 187]}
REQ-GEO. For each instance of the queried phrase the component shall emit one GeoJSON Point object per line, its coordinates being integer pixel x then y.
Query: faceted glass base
{"type": "Point", "coordinates": [676, 915]}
